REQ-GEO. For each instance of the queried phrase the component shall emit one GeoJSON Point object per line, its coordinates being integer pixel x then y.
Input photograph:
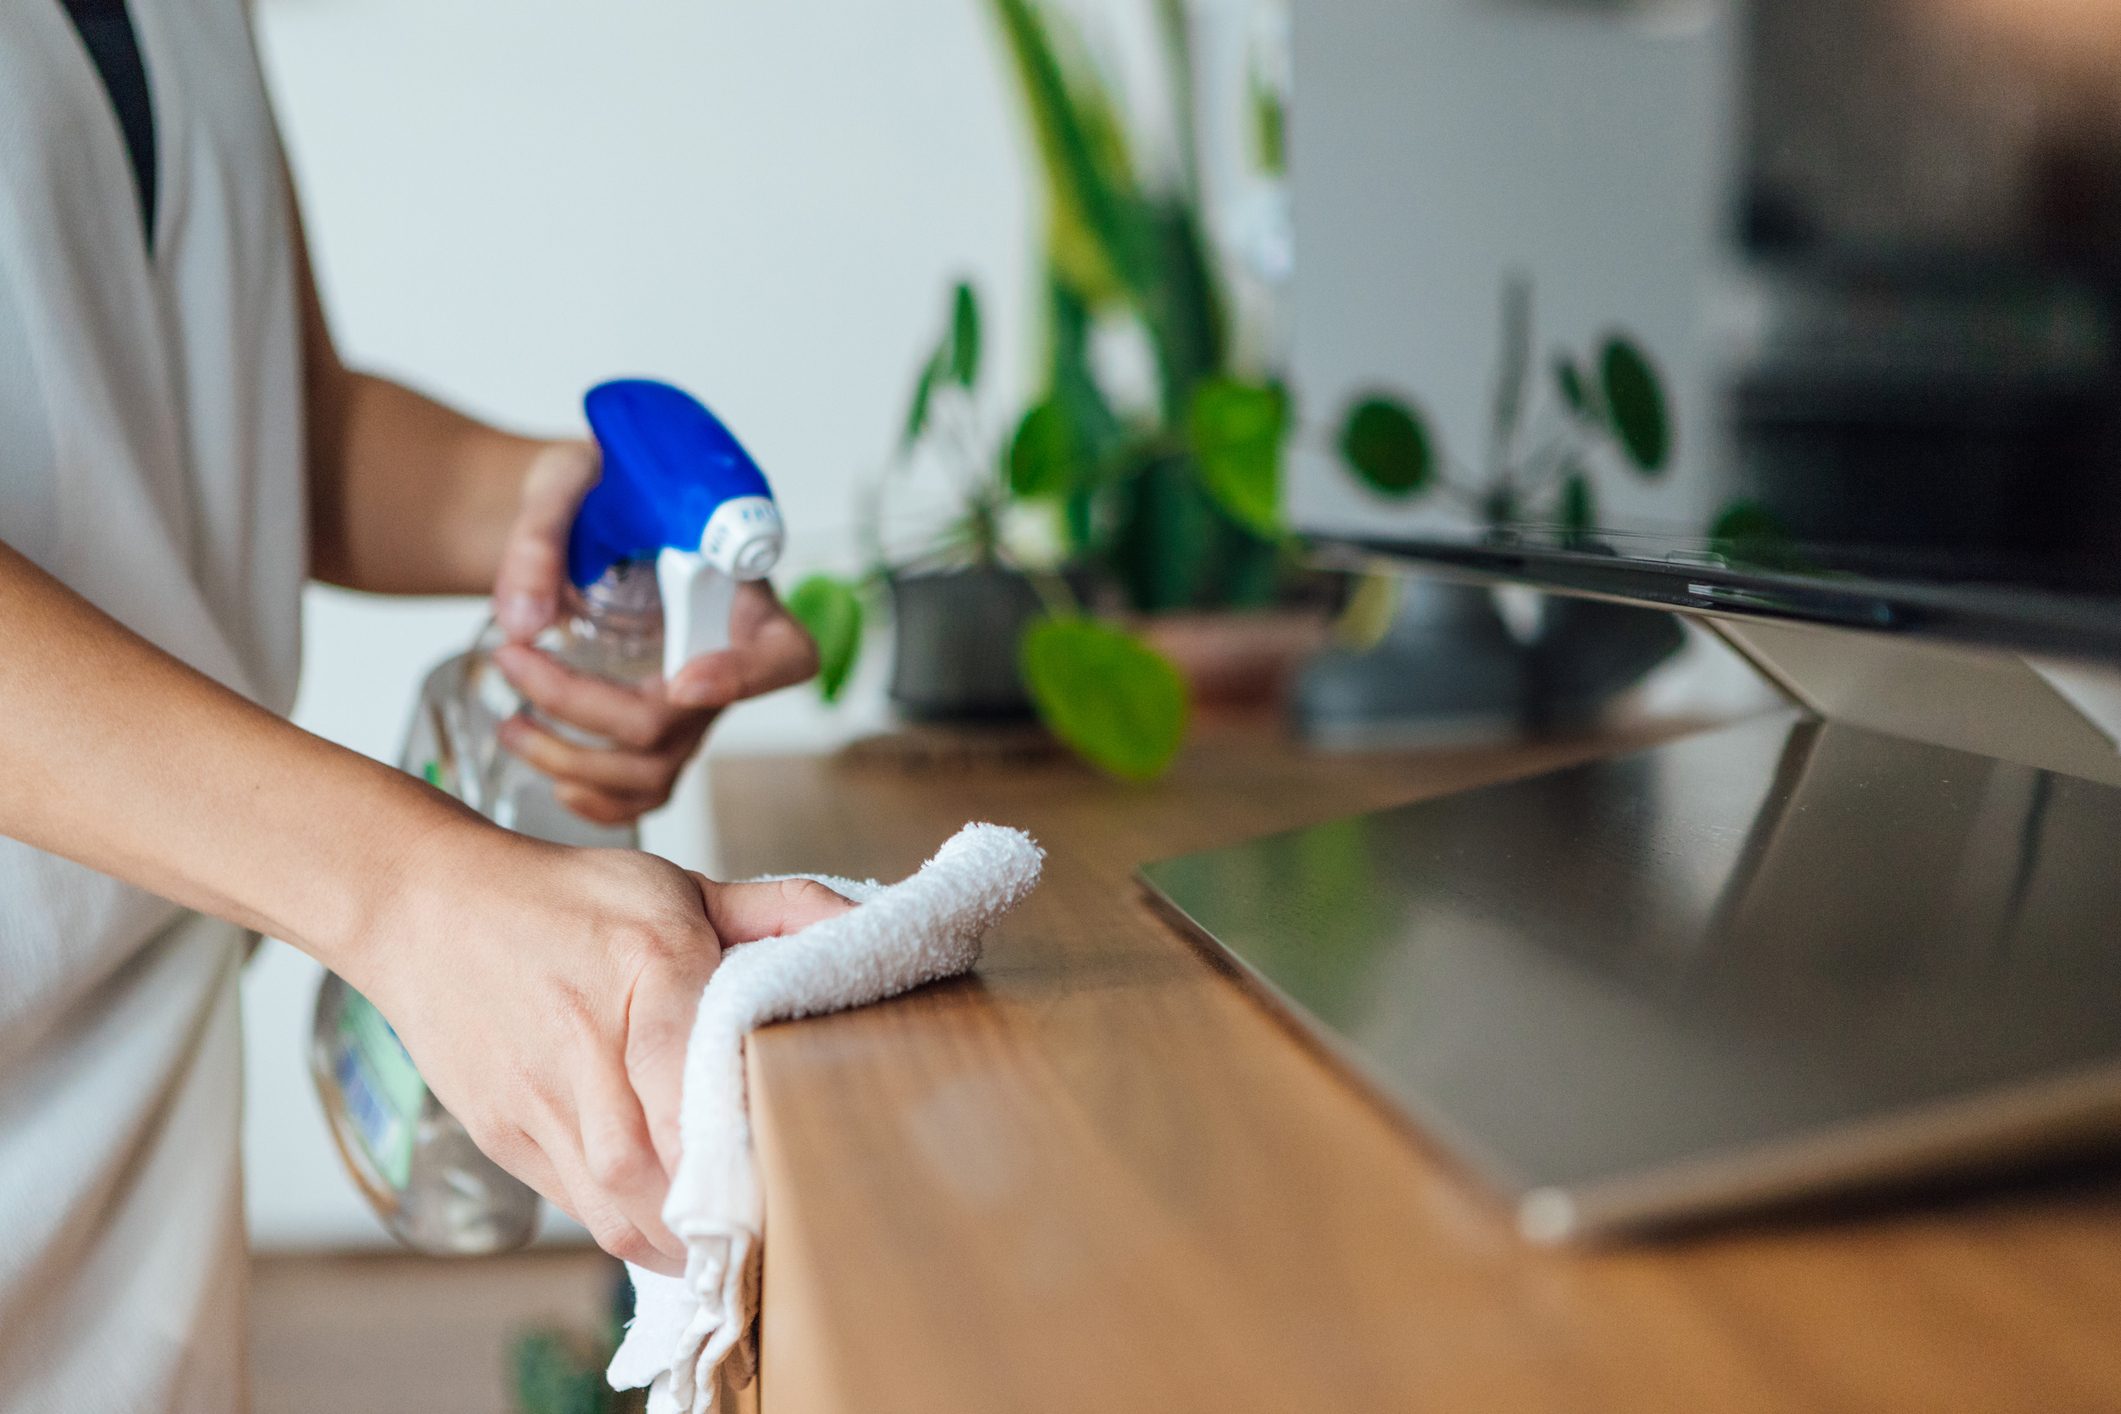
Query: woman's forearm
{"type": "Point", "coordinates": [407, 496]}
{"type": "Point", "coordinates": [124, 759]}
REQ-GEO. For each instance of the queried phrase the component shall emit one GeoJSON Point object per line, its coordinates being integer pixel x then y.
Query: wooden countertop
{"type": "Point", "coordinates": [1099, 1176]}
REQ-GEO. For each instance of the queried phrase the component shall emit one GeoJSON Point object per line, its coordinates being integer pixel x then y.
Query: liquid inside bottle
{"type": "Point", "coordinates": [618, 637]}
{"type": "Point", "coordinates": [412, 1159]}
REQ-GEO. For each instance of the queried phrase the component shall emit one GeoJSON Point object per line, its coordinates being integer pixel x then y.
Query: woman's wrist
{"type": "Point", "coordinates": [417, 848]}
{"type": "Point", "coordinates": [493, 471]}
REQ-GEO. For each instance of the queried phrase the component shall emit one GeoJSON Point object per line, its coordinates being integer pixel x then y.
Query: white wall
{"type": "Point", "coordinates": [512, 199]}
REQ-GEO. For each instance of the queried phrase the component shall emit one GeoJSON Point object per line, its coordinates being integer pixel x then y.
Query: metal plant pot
{"type": "Point", "coordinates": [1450, 670]}
{"type": "Point", "coordinates": [956, 634]}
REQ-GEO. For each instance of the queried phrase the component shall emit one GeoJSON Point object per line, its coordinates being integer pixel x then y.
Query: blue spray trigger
{"type": "Point", "coordinates": [669, 464]}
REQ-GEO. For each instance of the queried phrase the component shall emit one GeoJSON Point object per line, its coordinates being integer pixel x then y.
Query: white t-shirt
{"type": "Point", "coordinates": [150, 458]}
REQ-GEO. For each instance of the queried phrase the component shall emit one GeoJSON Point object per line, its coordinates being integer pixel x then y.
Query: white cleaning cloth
{"type": "Point", "coordinates": [922, 929]}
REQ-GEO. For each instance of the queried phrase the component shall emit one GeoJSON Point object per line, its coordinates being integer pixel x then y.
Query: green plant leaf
{"type": "Point", "coordinates": [1388, 445]}
{"type": "Point", "coordinates": [831, 609]}
{"type": "Point", "coordinates": [1072, 385]}
{"type": "Point", "coordinates": [1514, 370]}
{"type": "Point", "coordinates": [1045, 456]}
{"type": "Point", "coordinates": [1236, 430]}
{"type": "Point", "coordinates": [1270, 128]}
{"type": "Point", "coordinates": [558, 1373]}
{"type": "Point", "coordinates": [1174, 24]}
{"type": "Point", "coordinates": [964, 335]}
{"type": "Point", "coordinates": [1166, 545]}
{"type": "Point", "coordinates": [1182, 308]}
{"type": "Point", "coordinates": [1579, 508]}
{"type": "Point", "coordinates": [1569, 378]}
{"type": "Point", "coordinates": [1748, 533]}
{"type": "Point", "coordinates": [1071, 381]}
{"type": "Point", "coordinates": [1094, 222]}
{"type": "Point", "coordinates": [1115, 701]}
{"type": "Point", "coordinates": [1635, 404]}
{"type": "Point", "coordinates": [1367, 617]}
{"type": "Point", "coordinates": [923, 395]}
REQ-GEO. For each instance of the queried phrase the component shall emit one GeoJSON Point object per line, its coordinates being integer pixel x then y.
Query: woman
{"type": "Point", "coordinates": [179, 449]}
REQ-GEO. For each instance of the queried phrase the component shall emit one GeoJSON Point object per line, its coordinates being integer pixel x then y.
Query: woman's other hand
{"type": "Point", "coordinates": [649, 730]}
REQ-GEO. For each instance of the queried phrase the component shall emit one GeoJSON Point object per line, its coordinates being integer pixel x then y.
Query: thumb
{"type": "Point", "coordinates": [745, 913]}
{"type": "Point", "coordinates": [526, 591]}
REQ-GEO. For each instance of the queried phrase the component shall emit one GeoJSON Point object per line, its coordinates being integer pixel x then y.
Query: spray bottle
{"type": "Point", "coordinates": [679, 518]}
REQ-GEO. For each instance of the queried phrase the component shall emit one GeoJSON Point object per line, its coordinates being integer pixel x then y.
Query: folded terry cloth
{"type": "Point", "coordinates": [922, 929]}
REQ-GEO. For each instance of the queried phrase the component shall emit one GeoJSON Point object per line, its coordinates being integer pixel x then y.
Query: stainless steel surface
{"type": "Point", "coordinates": [1991, 703]}
{"type": "Point", "coordinates": [1754, 962]}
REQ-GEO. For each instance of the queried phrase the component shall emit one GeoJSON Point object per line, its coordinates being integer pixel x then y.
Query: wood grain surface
{"type": "Point", "coordinates": [1100, 1176]}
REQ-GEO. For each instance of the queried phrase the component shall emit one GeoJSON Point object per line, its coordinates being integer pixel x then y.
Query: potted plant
{"type": "Point", "coordinates": [1440, 652]}
{"type": "Point", "coordinates": [1170, 487]}
{"type": "Point", "coordinates": [988, 626]}
{"type": "Point", "coordinates": [965, 594]}
{"type": "Point", "coordinates": [1160, 481]}
{"type": "Point", "coordinates": [1609, 409]}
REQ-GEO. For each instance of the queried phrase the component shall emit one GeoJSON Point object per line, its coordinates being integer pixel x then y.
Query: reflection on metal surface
{"type": "Point", "coordinates": [1748, 964]}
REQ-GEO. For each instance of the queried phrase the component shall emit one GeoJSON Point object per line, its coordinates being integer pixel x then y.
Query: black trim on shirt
{"type": "Point", "coordinates": [106, 29]}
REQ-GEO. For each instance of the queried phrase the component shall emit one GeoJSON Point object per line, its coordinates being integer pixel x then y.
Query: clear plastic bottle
{"type": "Point", "coordinates": [618, 637]}
{"type": "Point", "coordinates": [415, 1163]}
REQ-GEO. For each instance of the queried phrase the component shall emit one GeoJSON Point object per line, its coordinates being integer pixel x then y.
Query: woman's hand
{"type": "Point", "coordinates": [652, 728]}
{"type": "Point", "coordinates": [547, 995]}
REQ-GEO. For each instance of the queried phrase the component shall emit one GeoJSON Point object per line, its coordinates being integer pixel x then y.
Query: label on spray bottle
{"type": "Point", "coordinates": [383, 1090]}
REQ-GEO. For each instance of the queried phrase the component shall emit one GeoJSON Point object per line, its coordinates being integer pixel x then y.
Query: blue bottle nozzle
{"type": "Point", "coordinates": [678, 488]}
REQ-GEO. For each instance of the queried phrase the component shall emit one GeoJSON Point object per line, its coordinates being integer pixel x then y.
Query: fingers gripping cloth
{"type": "Point", "coordinates": [690, 1332]}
